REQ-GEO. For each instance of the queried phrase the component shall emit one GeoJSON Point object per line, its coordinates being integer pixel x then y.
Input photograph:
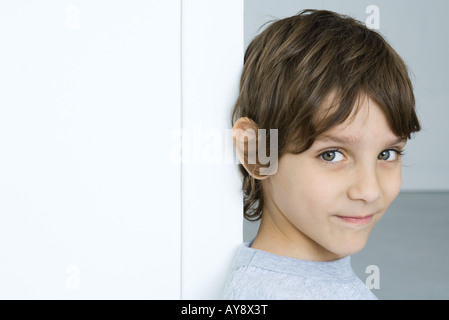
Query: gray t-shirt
{"type": "Point", "coordinates": [258, 275]}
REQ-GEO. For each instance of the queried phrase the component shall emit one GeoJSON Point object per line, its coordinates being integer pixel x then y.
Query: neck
{"type": "Point", "coordinates": [280, 237]}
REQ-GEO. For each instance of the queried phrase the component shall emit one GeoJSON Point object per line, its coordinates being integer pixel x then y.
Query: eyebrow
{"type": "Point", "coordinates": [352, 140]}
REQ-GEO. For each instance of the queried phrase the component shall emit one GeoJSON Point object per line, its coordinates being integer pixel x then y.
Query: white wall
{"type": "Point", "coordinates": [92, 192]}
{"type": "Point", "coordinates": [211, 189]}
{"type": "Point", "coordinates": [418, 31]}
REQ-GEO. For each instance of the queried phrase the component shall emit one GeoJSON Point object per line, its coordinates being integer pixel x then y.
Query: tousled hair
{"type": "Point", "coordinates": [295, 63]}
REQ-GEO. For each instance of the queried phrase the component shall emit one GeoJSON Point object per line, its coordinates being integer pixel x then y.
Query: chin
{"type": "Point", "coordinates": [349, 248]}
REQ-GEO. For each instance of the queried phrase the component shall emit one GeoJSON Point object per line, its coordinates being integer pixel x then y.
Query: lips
{"type": "Point", "coordinates": [358, 220]}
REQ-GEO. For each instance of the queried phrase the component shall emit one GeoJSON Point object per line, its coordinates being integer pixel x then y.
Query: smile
{"type": "Point", "coordinates": [358, 220]}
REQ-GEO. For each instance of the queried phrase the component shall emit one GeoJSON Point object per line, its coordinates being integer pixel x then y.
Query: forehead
{"type": "Point", "coordinates": [332, 104]}
{"type": "Point", "coordinates": [367, 121]}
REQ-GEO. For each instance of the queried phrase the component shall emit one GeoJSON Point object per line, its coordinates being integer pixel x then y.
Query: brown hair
{"type": "Point", "coordinates": [296, 62]}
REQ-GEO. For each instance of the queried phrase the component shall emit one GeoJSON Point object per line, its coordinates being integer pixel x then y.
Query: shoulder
{"type": "Point", "coordinates": [252, 283]}
{"type": "Point", "coordinates": [258, 275]}
{"type": "Point", "coordinates": [246, 280]}
{"type": "Point", "coordinates": [252, 277]}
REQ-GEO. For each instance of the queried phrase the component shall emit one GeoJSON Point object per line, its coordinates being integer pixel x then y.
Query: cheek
{"type": "Point", "coordinates": [392, 185]}
{"type": "Point", "coordinates": [309, 192]}
{"type": "Point", "coordinates": [318, 190]}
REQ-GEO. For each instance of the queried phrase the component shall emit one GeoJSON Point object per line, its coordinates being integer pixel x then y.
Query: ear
{"type": "Point", "coordinates": [244, 134]}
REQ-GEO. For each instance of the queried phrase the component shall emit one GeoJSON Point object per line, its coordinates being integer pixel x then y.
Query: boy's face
{"type": "Point", "coordinates": [323, 203]}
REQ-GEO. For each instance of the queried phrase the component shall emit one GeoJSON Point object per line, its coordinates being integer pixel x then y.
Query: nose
{"type": "Point", "coordinates": [365, 185]}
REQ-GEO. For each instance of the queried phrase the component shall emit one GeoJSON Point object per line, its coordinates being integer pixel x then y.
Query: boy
{"type": "Point", "coordinates": [343, 104]}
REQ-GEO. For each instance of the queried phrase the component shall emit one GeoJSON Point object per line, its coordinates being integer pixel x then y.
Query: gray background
{"type": "Point", "coordinates": [410, 243]}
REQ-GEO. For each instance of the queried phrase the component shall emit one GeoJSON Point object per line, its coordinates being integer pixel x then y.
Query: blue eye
{"type": "Point", "coordinates": [389, 155]}
{"type": "Point", "coordinates": [332, 156]}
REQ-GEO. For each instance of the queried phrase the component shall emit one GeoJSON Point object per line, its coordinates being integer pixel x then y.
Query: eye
{"type": "Point", "coordinates": [389, 155]}
{"type": "Point", "coordinates": [332, 156]}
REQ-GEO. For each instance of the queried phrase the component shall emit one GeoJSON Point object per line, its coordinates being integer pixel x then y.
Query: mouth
{"type": "Point", "coordinates": [356, 220]}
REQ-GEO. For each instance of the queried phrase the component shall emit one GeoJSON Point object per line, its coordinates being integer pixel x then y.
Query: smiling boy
{"type": "Point", "coordinates": [343, 104]}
